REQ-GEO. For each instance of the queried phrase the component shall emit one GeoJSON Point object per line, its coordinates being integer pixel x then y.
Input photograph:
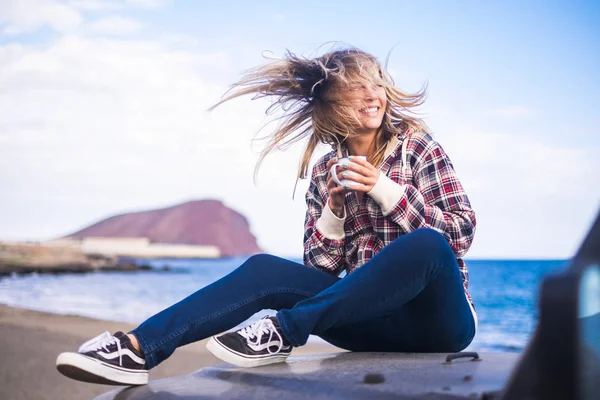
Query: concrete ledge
{"type": "Point", "coordinates": [337, 376]}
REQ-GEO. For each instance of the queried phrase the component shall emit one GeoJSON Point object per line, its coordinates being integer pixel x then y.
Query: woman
{"type": "Point", "coordinates": [398, 231]}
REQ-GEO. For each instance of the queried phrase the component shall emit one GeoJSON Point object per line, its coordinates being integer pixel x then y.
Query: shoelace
{"type": "Point", "coordinates": [102, 341]}
{"type": "Point", "coordinates": [257, 329]}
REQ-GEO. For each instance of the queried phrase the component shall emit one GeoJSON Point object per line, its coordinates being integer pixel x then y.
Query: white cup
{"type": "Point", "coordinates": [340, 162]}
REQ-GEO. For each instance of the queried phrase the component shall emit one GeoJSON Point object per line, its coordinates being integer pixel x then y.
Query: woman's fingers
{"type": "Point", "coordinates": [331, 162]}
{"type": "Point", "coordinates": [360, 172]}
{"type": "Point", "coordinates": [357, 165]}
{"type": "Point", "coordinates": [336, 195]}
{"type": "Point", "coordinates": [345, 176]}
{"type": "Point", "coordinates": [358, 187]}
{"type": "Point", "coordinates": [331, 183]}
{"type": "Point", "coordinates": [360, 161]}
{"type": "Point", "coordinates": [368, 180]}
{"type": "Point", "coordinates": [349, 175]}
{"type": "Point", "coordinates": [333, 187]}
{"type": "Point", "coordinates": [359, 169]}
{"type": "Point", "coordinates": [338, 190]}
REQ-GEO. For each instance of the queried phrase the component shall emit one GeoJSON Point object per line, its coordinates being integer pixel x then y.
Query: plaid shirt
{"type": "Point", "coordinates": [432, 198]}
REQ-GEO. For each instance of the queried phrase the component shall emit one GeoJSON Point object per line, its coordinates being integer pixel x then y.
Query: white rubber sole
{"type": "Point", "coordinates": [83, 368]}
{"type": "Point", "coordinates": [242, 360]}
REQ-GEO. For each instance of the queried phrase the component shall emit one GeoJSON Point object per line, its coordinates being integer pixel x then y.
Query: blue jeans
{"type": "Point", "coordinates": [408, 298]}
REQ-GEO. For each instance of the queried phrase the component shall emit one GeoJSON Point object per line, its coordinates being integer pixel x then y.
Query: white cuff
{"type": "Point", "coordinates": [386, 193]}
{"type": "Point", "coordinates": [330, 225]}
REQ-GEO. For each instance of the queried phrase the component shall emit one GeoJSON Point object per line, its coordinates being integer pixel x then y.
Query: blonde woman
{"type": "Point", "coordinates": [398, 226]}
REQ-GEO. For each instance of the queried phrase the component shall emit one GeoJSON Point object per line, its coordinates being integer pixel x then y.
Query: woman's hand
{"type": "Point", "coordinates": [360, 171]}
{"type": "Point", "coordinates": [336, 193]}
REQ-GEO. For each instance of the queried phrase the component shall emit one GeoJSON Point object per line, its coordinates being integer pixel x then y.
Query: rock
{"type": "Point", "coordinates": [27, 258]}
{"type": "Point", "coordinates": [199, 222]}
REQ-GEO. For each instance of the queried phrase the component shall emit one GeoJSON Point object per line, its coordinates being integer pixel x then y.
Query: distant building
{"type": "Point", "coordinates": [138, 247]}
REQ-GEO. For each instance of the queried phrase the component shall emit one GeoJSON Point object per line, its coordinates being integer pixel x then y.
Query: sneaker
{"type": "Point", "coordinates": [259, 344]}
{"type": "Point", "coordinates": [105, 359]}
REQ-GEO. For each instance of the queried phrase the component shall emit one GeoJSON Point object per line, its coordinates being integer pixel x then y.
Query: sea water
{"type": "Point", "coordinates": [505, 293]}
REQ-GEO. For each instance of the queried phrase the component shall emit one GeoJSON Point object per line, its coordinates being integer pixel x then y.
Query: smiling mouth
{"type": "Point", "coordinates": [370, 111]}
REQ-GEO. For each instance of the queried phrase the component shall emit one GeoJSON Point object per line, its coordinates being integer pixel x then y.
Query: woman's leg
{"type": "Point", "coordinates": [409, 297]}
{"type": "Point", "coordinates": [439, 319]}
{"type": "Point", "coordinates": [262, 282]}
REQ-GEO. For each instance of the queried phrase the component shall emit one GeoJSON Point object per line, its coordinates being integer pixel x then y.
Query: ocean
{"type": "Point", "coordinates": [505, 293]}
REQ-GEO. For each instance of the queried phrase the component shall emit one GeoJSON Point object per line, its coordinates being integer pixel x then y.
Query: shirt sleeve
{"type": "Point", "coordinates": [322, 250]}
{"type": "Point", "coordinates": [438, 201]}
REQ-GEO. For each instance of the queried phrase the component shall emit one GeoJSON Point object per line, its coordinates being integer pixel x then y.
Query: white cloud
{"type": "Point", "coordinates": [531, 198]}
{"type": "Point", "coordinates": [177, 39]}
{"type": "Point", "coordinates": [93, 126]}
{"type": "Point", "coordinates": [25, 16]}
{"type": "Point", "coordinates": [95, 5]}
{"type": "Point", "coordinates": [115, 25]}
{"type": "Point", "coordinates": [147, 3]}
{"type": "Point", "coordinates": [21, 16]}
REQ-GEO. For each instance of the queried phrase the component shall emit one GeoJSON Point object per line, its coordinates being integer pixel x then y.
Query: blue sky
{"type": "Point", "coordinates": [104, 109]}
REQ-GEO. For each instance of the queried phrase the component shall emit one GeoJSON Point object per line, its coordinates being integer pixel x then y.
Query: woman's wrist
{"type": "Point", "coordinates": [330, 225]}
{"type": "Point", "coordinates": [387, 193]}
{"type": "Point", "coordinates": [338, 212]}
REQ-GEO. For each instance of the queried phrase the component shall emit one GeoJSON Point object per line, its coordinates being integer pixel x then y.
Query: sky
{"type": "Point", "coordinates": [104, 110]}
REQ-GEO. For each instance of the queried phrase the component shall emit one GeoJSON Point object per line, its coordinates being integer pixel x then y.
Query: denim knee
{"type": "Point", "coordinates": [259, 263]}
{"type": "Point", "coordinates": [256, 260]}
{"type": "Point", "coordinates": [430, 237]}
{"type": "Point", "coordinates": [432, 242]}
{"type": "Point", "coordinates": [423, 248]}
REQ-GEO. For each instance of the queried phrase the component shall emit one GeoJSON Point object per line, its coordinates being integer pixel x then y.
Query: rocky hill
{"type": "Point", "coordinates": [199, 222]}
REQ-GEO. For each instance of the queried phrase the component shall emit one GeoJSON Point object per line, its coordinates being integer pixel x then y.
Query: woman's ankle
{"type": "Point", "coordinates": [134, 341]}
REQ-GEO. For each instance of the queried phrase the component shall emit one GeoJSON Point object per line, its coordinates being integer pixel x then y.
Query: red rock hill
{"type": "Point", "coordinates": [199, 222]}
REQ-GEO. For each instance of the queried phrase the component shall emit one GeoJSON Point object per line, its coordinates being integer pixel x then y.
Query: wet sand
{"type": "Point", "coordinates": [31, 340]}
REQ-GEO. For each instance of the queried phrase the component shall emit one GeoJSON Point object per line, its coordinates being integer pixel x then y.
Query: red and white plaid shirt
{"type": "Point", "coordinates": [430, 196]}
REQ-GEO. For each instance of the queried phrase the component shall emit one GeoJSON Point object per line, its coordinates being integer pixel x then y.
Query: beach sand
{"type": "Point", "coordinates": [30, 341]}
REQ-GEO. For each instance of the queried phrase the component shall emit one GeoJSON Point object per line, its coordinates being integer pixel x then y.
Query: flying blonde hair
{"type": "Point", "coordinates": [302, 89]}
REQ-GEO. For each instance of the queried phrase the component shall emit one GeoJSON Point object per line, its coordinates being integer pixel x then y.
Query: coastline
{"type": "Point", "coordinates": [30, 341]}
{"type": "Point", "coordinates": [26, 258]}
{"type": "Point", "coordinates": [7, 269]}
{"type": "Point", "coordinates": [92, 254]}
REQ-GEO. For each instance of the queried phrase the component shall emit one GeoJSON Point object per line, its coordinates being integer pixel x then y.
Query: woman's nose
{"type": "Point", "coordinates": [371, 92]}
{"type": "Point", "coordinates": [371, 95]}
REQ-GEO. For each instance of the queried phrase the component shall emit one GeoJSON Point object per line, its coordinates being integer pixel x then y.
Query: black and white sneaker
{"type": "Point", "coordinates": [105, 359]}
{"type": "Point", "coordinates": [259, 344]}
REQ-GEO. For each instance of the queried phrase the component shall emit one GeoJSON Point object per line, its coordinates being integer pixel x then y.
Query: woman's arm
{"type": "Point", "coordinates": [323, 231]}
{"type": "Point", "coordinates": [438, 201]}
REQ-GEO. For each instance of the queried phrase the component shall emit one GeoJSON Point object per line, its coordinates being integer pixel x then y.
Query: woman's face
{"type": "Point", "coordinates": [368, 101]}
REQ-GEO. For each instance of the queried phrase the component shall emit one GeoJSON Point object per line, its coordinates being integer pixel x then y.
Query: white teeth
{"type": "Point", "coordinates": [369, 110]}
